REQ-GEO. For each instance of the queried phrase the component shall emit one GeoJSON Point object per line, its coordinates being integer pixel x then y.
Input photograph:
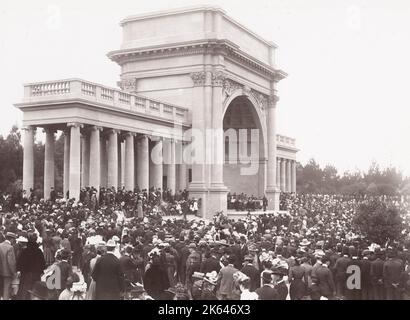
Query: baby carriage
{"type": "Point", "coordinates": [204, 286]}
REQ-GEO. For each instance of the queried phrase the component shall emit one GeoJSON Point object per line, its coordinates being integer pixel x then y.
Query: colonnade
{"type": "Point", "coordinates": [286, 174]}
{"type": "Point", "coordinates": [121, 159]}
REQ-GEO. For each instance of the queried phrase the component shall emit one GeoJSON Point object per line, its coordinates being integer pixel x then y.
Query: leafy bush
{"type": "Point", "coordinates": [379, 222]}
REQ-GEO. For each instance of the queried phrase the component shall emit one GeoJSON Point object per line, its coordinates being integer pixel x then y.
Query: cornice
{"type": "Point", "coordinates": [212, 46]}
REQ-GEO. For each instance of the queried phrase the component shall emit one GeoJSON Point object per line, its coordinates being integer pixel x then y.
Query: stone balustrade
{"type": "Point", "coordinates": [286, 141]}
{"type": "Point", "coordinates": [85, 91]}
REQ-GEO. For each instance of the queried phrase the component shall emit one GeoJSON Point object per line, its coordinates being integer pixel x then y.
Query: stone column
{"type": "Point", "coordinates": [272, 193]}
{"type": "Point", "coordinates": [143, 162]}
{"type": "Point", "coordinates": [28, 159]}
{"type": "Point", "coordinates": [129, 161]}
{"type": "Point", "coordinates": [217, 191]}
{"type": "Point", "coordinates": [283, 175]}
{"type": "Point", "coordinates": [294, 176]}
{"type": "Point", "coordinates": [182, 172]}
{"type": "Point", "coordinates": [75, 160]}
{"type": "Point", "coordinates": [112, 174]}
{"type": "Point", "coordinates": [120, 159]}
{"type": "Point", "coordinates": [171, 169]}
{"type": "Point", "coordinates": [104, 163]}
{"type": "Point", "coordinates": [197, 188]}
{"type": "Point", "coordinates": [156, 165]}
{"type": "Point", "coordinates": [49, 162]}
{"type": "Point", "coordinates": [85, 159]}
{"type": "Point", "coordinates": [66, 177]}
{"type": "Point", "coordinates": [95, 158]}
{"type": "Point", "coordinates": [288, 176]}
{"type": "Point", "coordinates": [278, 173]}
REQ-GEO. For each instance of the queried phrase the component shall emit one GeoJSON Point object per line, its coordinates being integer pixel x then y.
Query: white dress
{"type": "Point", "coordinates": [247, 295]}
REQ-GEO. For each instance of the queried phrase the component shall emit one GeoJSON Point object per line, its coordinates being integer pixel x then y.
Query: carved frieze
{"type": "Point", "coordinates": [261, 99]}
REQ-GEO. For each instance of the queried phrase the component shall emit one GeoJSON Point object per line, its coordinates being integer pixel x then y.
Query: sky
{"type": "Point", "coordinates": [346, 99]}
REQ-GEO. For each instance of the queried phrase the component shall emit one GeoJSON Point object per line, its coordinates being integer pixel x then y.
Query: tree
{"type": "Point", "coordinates": [11, 159]}
{"type": "Point", "coordinates": [378, 222]}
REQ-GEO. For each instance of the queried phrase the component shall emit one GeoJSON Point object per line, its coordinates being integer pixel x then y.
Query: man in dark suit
{"type": "Point", "coordinates": [53, 195]}
{"type": "Point", "coordinates": [7, 264]}
{"type": "Point", "coordinates": [365, 266]}
{"type": "Point", "coordinates": [128, 265]}
{"type": "Point", "coordinates": [376, 275]}
{"type": "Point", "coordinates": [392, 270]}
{"type": "Point", "coordinates": [108, 276]}
{"type": "Point", "coordinates": [340, 273]}
{"type": "Point", "coordinates": [253, 273]}
{"type": "Point", "coordinates": [211, 263]}
{"type": "Point", "coordinates": [66, 269]}
{"type": "Point", "coordinates": [267, 292]}
{"type": "Point", "coordinates": [226, 281]}
{"type": "Point", "coordinates": [325, 279]}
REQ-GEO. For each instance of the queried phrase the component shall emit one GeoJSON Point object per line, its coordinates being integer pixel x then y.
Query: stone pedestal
{"type": "Point", "coordinates": [273, 198]}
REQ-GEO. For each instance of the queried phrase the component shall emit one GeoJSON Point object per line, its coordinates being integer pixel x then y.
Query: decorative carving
{"type": "Point", "coordinates": [246, 91]}
{"type": "Point", "coordinates": [218, 78]}
{"type": "Point", "coordinates": [198, 78]}
{"type": "Point", "coordinates": [261, 99]}
{"type": "Point", "coordinates": [230, 87]}
{"type": "Point", "coordinates": [129, 85]}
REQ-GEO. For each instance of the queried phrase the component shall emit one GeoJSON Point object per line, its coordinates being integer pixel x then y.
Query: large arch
{"type": "Point", "coordinates": [240, 112]}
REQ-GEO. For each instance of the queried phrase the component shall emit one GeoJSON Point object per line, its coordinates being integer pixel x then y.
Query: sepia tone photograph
{"type": "Point", "coordinates": [217, 150]}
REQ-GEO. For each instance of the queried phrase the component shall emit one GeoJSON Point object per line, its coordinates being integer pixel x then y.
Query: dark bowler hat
{"type": "Point", "coordinates": [267, 276]}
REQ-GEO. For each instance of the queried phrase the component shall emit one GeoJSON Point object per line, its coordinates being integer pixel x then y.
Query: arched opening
{"type": "Point", "coordinates": [244, 158]}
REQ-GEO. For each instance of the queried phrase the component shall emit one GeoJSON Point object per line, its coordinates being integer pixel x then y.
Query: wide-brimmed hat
{"type": "Point", "coordinates": [40, 290]}
{"type": "Point", "coordinates": [223, 242]}
{"type": "Point", "coordinates": [11, 235]}
{"type": "Point", "coordinates": [22, 239]}
{"type": "Point", "coordinates": [111, 244]}
{"type": "Point", "coordinates": [305, 242]}
{"type": "Point", "coordinates": [280, 271]}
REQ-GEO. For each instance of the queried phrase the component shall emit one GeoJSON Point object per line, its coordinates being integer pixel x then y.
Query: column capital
{"type": "Point", "coordinates": [130, 133]}
{"type": "Point", "coordinates": [115, 131]}
{"type": "Point", "coordinates": [155, 138]}
{"type": "Point", "coordinates": [199, 78]}
{"type": "Point", "coordinates": [168, 139]}
{"type": "Point", "coordinates": [29, 128]}
{"type": "Point", "coordinates": [95, 128]}
{"type": "Point", "coordinates": [272, 100]}
{"type": "Point", "coordinates": [75, 125]}
{"type": "Point", "coordinates": [140, 136]}
{"type": "Point", "coordinates": [218, 78]}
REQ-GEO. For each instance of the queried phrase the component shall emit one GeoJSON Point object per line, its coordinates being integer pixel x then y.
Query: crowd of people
{"type": "Point", "coordinates": [243, 202]}
{"type": "Point", "coordinates": [121, 246]}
